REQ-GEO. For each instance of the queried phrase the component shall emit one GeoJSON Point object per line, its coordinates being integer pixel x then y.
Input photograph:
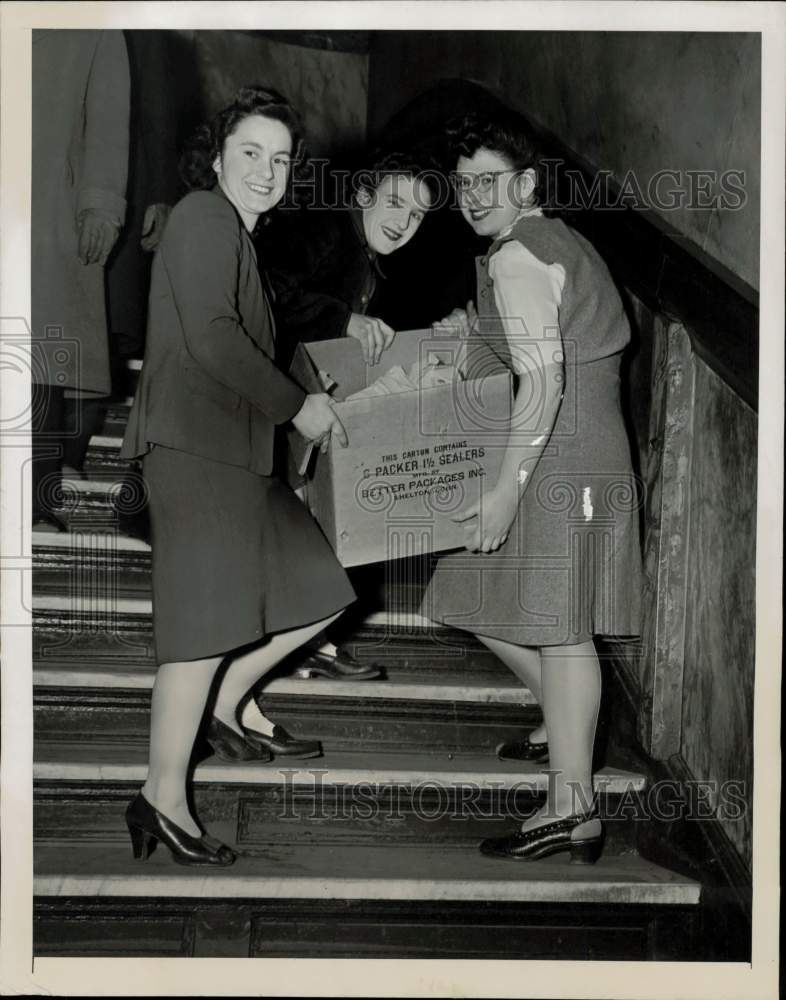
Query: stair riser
{"type": "Point", "coordinates": [352, 929]}
{"type": "Point", "coordinates": [93, 574]}
{"type": "Point", "coordinates": [258, 818]}
{"type": "Point", "coordinates": [96, 566]}
{"type": "Point", "coordinates": [116, 421]}
{"type": "Point", "coordinates": [70, 715]}
{"type": "Point", "coordinates": [114, 641]}
{"type": "Point", "coordinates": [102, 461]}
{"type": "Point", "coordinates": [65, 638]}
{"type": "Point", "coordinates": [111, 487]}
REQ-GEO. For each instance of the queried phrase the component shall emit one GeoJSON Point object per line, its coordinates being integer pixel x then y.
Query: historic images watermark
{"type": "Point", "coordinates": [319, 187]}
{"type": "Point", "coordinates": [312, 795]}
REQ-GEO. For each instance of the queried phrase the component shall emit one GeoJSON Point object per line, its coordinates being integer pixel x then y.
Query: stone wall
{"type": "Point", "coordinates": [635, 103]}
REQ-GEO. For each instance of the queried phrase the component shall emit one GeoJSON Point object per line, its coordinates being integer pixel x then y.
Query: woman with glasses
{"type": "Point", "coordinates": [553, 549]}
{"type": "Point", "coordinates": [242, 575]}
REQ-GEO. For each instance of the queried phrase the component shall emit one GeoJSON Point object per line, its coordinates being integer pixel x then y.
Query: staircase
{"type": "Point", "coordinates": [370, 850]}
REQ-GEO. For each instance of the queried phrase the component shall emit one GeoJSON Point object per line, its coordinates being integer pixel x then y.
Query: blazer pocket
{"type": "Point", "coordinates": [200, 384]}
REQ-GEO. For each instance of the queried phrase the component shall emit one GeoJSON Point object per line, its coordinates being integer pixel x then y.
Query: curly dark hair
{"type": "Point", "coordinates": [402, 163]}
{"type": "Point", "coordinates": [505, 133]}
{"type": "Point", "coordinates": [196, 163]}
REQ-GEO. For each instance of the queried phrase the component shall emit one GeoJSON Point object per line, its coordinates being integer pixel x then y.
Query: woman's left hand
{"type": "Point", "coordinates": [493, 515]}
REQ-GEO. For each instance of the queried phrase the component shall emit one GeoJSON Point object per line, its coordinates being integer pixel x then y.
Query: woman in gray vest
{"type": "Point", "coordinates": [242, 575]}
{"type": "Point", "coordinates": [553, 546]}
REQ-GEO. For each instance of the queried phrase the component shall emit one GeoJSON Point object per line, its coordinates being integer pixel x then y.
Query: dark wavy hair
{"type": "Point", "coordinates": [505, 133]}
{"type": "Point", "coordinates": [401, 163]}
{"type": "Point", "coordinates": [196, 163]}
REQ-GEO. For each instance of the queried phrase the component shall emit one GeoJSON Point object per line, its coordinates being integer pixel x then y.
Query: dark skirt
{"type": "Point", "coordinates": [236, 558]}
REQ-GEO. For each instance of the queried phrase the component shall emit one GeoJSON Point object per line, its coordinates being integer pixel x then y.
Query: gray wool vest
{"type": "Point", "coordinates": [591, 315]}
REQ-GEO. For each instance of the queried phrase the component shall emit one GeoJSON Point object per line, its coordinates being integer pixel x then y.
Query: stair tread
{"type": "Point", "coordinates": [76, 604]}
{"type": "Point", "coordinates": [108, 761]}
{"type": "Point", "coordinates": [106, 441]}
{"type": "Point", "coordinates": [75, 540]}
{"type": "Point", "coordinates": [77, 868]}
{"type": "Point", "coordinates": [399, 685]}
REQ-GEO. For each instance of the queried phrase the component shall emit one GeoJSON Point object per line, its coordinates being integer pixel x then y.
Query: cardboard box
{"type": "Point", "coordinates": [414, 458]}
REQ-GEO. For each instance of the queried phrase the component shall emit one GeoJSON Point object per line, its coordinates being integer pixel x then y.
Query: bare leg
{"type": "Point", "coordinates": [248, 668]}
{"type": "Point", "coordinates": [524, 661]}
{"type": "Point", "coordinates": [571, 700]}
{"type": "Point", "coordinates": [179, 697]}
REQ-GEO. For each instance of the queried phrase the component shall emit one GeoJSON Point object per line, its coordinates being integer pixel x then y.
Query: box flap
{"type": "Point", "coordinates": [304, 371]}
{"type": "Point", "coordinates": [342, 361]}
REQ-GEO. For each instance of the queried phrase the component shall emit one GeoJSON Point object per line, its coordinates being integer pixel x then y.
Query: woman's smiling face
{"type": "Point", "coordinates": [253, 167]}
{"type": "Point", "coordinates": [491, 192]}
{"type": "Point", "coordinates": [393, 212]}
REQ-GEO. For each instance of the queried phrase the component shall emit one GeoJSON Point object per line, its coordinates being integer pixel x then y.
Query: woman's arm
{"type": "Point", "coordinates": [528, 295]}
{"type": "Point", "coordinates": [298, 270]}
{"type": "Point", "coordinates": [201, 253]}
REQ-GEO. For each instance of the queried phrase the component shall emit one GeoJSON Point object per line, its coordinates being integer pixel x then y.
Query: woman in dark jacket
{"type": "Point", "coordinates": [240, 570]}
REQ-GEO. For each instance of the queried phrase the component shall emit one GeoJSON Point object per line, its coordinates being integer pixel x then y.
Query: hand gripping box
{"type": "Point", "coordinates": [415, 458]}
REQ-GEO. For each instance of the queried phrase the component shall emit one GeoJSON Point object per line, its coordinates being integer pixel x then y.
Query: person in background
{"type": "Point", "coordinates": [159, 124]}
{"type": "Point", "coordinates": [553, 546]}
{"type": "Point", "coordinates": [323, 271]}
{"type": "Point", "coordinates": [242, 575]}
{"type": "Point", "coordinates": [80, 138]}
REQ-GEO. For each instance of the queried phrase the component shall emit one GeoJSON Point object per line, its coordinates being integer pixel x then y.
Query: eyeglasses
{"type": "Point", "coordinates": [477, 183]}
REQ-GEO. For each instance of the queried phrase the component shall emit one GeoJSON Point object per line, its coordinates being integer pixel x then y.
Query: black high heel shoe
{"type": "Point", "coordinates": [548, 839]}
{"type": "Point", "coordinates": [147, 826]}
{"type": "Point", "coordinates": [231, 746]}
{"type": "Point", "coordinates": [524, 749]}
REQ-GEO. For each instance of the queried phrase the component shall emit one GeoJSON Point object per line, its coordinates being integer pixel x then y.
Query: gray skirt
{"type": "Point", "coordinates": [236, 558]}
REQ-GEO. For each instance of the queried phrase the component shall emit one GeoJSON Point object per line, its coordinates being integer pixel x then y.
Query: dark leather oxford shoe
{"type": "Point", "coordinates": [548, 839]}
{"type": "Point", "coordinates": [524, 749]}
{"type": "Point", "coordinates": [281, 744]}
{"type": "Point", "coordinates": [230, 746]}
{"type": "Point", "coordinates": [343, 667]}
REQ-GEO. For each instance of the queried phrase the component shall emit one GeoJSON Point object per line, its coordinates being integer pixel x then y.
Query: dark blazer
{"type": "Point", "coordinates": [209, 385]}
{"type": "Point", "coordinates": [321, 271]}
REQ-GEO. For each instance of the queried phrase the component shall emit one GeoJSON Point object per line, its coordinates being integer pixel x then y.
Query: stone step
{"type": "Point", "coordinates": [213, 927]}
{"type": "Point", "coordinates": [103, 456]}
{"type": "Point", "coordinates": [89, 564]}
{"type": "Point", "coordinates": [111, 644]}
{"type": "Point", "coordinates": [111, 497]}
{"type": "Point", "coordinates": [93, 674]}
{"type": "Point", "coordinates": [366, 720]}
{"type": "Point", "coordinates": [116, 419]}
{"type": "Point", "coordinates": [99, 555]}
{"type": "Point", "coordinates": [311, 898]}
{"type": "Point", "coordinates": [303, 807]}
{"type": "Point", "coordinates": [115, 761]}
{"type": "Point", "coordinates": [367, 796]}
{"type": "Point", "coordinates": [77, 868]}
{"type": "Point", "coordinates": [74, 629]}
